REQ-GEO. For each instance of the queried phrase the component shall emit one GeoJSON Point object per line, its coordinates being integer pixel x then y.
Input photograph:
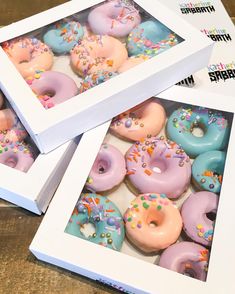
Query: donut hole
{"type": "Point", "coordinates": [211, 215]}
{"type": "Point", "coordinates": [102, 166]}
{"type": "Point", "coordinates": [155, 219]}
{"type": "Point", "coordinates": [49, 93]}
{"type": "Point", "coordinates": [88, 230]}
{"type": "Point", "coordinates": [11, 161]}
{"type": "Point", "coordinates": [158, 166]}
{"type": "Point", "coordinates": [198, 130]}
{"type": "Point", "coordinates": [189, 272]}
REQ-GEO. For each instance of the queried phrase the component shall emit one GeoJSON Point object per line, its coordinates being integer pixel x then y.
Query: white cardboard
{"type": "Point", "coordinates": [119, 270]}
{"type": "Point", "coordinates": [50, 128]}
{"type": "Point", "coordinates": [223, 52]}
{"type": "Point", "coordinates": [34, 189]}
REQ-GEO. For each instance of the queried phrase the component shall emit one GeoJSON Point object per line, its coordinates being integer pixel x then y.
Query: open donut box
{"type": "Point", "coordinates": [52, 127]}
{"type": "Point", "coordinates": [130, 270]}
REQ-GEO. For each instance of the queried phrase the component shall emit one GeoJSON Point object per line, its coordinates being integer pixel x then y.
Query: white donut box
{"type": "Point", "coordinates": [123, 270]}
{"type": "Point", "coordinates": [53, 127]}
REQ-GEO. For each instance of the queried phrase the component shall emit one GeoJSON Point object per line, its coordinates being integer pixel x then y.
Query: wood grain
{"type": "Point", "coordinates": [20, 272]}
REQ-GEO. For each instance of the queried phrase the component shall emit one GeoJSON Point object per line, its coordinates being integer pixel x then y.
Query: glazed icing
{"type": "Point", "coordinates": [104, 215]}
{"type": "Point", "coordinates": [108, 170]}
{"type": "Point", "coordinates": [214, 125]}
{"type": "Point", "coordinates": [158, 165]}
{"type": "Point", "coordinates": [152, 222]}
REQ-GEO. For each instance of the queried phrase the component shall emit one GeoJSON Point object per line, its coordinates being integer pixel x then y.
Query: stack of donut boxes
{"type": "Point", "coordinates": [50, 128]}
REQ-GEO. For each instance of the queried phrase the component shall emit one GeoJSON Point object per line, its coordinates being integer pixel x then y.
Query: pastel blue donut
{"type": "Point", "coordinates": [214, 125]}
{"type": "Point", "coordinates": [63, 36]}
{"type": "Point", "coordinates": [104, 215]}
{"type": "Point", "coordinates": [150, 38]}
{"type": "Point", "coordinates": [207, 170]}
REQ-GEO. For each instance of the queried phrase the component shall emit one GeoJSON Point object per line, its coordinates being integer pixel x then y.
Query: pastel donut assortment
{"type": "Point", "coordinates": [14, 152]}
{"type": "Point", "coordinates": [108, 171]}
{"type": "Point", "coordinates": [158, 171]}
{"type": "Point", "coordinates": [101, 43]}
{"type": "Point", "coordinates": [104, 215]}
{"type": "Point", "coordinates": [137, 123]}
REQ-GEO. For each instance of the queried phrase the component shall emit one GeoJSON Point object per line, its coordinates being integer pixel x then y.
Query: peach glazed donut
{"type": "Point", "coordinates": [96, 53]}
{"type": "Point", "coordinates": [116, 18]}
{"type": "Point", "coordinates": [147, 118]}
{"type": "Point", "coordinates": [152, 222]}
{"type": "Point", "coordinates": [28, 55]}
{"type": "Point", "coordinates": [156, 164]}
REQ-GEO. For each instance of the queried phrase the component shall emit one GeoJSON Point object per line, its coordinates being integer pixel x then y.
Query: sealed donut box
{"type": "Point", "coordinates": [29, 179]}
{"type": "Point", "coordinates": [85, 222]}
{"type": "Point", "coordinates": [33, 190]}
{"type": "Point", "coordinates": [101, 59]}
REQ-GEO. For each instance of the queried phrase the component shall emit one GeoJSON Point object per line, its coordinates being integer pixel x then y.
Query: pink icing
{"type": "Point", "coordinates": [196, 223]}
{"type": "Point", "coordinates": [109, 169]}
{"type": "Point", "coordinates": [116, 18]}
{"type": "Point", "coordinates": [52, 87]}
{"type": "Point", "coordinates": [156, 165]}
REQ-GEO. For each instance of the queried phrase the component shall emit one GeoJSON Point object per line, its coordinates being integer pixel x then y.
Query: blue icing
{"type": "Point", "coordinates": [207, 170]}
{"type": "Point", "coordinates": [146, 39]}
{"type": "Point", "coordinates": [215, 127]}
{"type": "Point", "coordinates": [63, 36]}
{"type": "Point", "coordinates": [104, 215]}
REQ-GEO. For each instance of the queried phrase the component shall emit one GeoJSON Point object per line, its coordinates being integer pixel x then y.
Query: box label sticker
{"type": "Point", "coordinates": [188, 82]}
{"type": "Point", "coordinates": [119, 288]}
{"type": "Point", "coordinates": [217, 35]}
{"type": "Point", "coordinates": [221, 71]}
{"type": "Point", "coordinates": [199, 7]}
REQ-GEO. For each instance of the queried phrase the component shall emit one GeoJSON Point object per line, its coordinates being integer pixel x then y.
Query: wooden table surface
{"type": "Point", "coordinates": [20, 272]}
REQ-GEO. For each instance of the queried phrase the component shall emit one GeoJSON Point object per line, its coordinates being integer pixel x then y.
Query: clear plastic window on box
{"type": "Point", "coordinates": [154, 187]}
{"type": "Point", "coordinates": [67, 58]}
{"type": "Point", "coordinates": [17, 149]}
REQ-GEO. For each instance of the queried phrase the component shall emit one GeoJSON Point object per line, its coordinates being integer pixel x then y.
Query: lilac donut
{"type": "Point", "coordinates": [16, 155]}
{"type": "Point", "coordinates": [156, 165]}
{"type": "Point", "coordinates": [115, 18]}
{"type": "Point", "coordinates": [108, 171]}
{"type": "Point", "coordinates": [194, 213]}
{"type": "Point", "coordinates": [186, 258]}
{"type": "Point", "coordinates": [52, 87]}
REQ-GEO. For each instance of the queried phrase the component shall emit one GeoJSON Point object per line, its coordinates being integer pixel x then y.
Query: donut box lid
{"type": "Point", "coordinates": [34, 189]}
{"type": "Point", "coordinates": [124, 272]}
{"type": "Point", "coordinates": [52, 127]}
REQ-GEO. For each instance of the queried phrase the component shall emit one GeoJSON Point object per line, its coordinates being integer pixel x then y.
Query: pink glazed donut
{"type": "Point", "coordinates": [148, 118]}
{"type": "Point", "coordinates": [11, 129]}
{"type": "Point", "coordinates": [97, 53]}
{"type": "Point", "coordinates": [108, 171]}
{"type": "Point", "coordinates": [156, 164]}
{"type": "Point", "coordinates": [28, 55]}
{"type": "Point", "coordinates": [194, 212]}
{"type": "Point", "coordinates": [186, 258]}
{"type": "Point", "coordinates": [116, 18]}
{"type": "Point", "coordinates": [52, 87]}
{"type": "Point", "coordinates": [16, 155]}
{"type": "Point", "coordinates": [152, 222]}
